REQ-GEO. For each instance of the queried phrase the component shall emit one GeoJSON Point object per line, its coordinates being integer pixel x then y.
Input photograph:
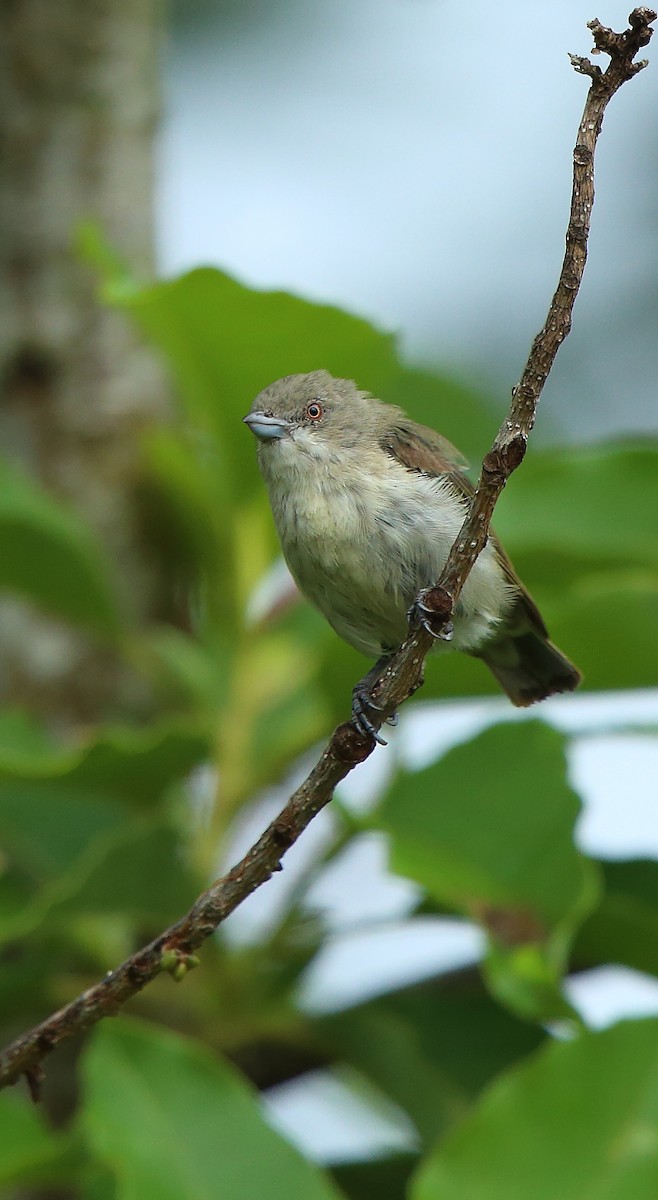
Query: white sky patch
{"type": "Point", "coordinates": [354, 967]}
{"type": "Point", "coordinates": [336, 1116]}
{"type": "Point", "coordinates": [608, 994]}
{"type": "Point", "coordinates": [618, 780]}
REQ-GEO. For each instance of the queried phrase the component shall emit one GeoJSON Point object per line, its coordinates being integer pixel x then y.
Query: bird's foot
{"type": "Point", "coordinates": [432, 617]}
{"type": "Point", "coordinates": [363, 709]}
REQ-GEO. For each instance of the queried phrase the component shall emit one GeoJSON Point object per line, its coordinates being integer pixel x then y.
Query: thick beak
{"type": "Point", "coordinates": [266, 428]}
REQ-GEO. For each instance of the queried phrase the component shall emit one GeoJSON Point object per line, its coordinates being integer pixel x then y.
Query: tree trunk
{"type": "Point", "coordinates": [78, 108]}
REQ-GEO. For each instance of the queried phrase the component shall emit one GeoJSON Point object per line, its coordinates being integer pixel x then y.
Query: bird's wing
{"type": "Point", "coordinates": [421, 449]}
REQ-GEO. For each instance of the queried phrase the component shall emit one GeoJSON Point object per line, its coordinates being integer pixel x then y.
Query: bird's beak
{"type": "Point", "coordinates": [266, 428]}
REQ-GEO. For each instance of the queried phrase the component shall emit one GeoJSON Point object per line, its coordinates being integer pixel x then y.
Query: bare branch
{"type": "Point", "coordinates": [174, 950]}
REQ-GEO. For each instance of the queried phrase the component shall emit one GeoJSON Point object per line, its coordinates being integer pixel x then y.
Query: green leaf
{"type": "Point", "coordinates": [382, 1179]}
{"type": "Point", "coordinates": [68, 825]}
{"type": "Point", "coordinates": [175, 1122]}
{"type": "Point", "coordinates": [31, 985]}
{"type": "Point", "coordinates": [46, 827]}
{"type": "Point", "coordinates": [29, 1151]}
{"type": "Point", "coordinates": [22, 739]}
{"type": "Point", "coordinates": [130, 870]}
{"type": "Point", "coordinates": [579, 1119]}
{"type": "Point", "coordinates": [49, 555]}
{"type": "Point", "coordinates": [624, 927]}
{"type": "Point", "coordinates": [60, 808]}
{"type": "Point", "coordinates": [288, 714]}
{"type": "Point", "coordinates": [139, 875]}
{"type": "Point", "coordinates": [599, 505]}
{"type": "Point", "coordinates": [133, 766]}
{"type": "Point", "coordinates": [609, 628]}
{"type": "Point", "coordinates": [527, 979]}
{"type": "Point", "coordinates": [194, 521]}
{"type": "Point", "coordinates": [488, 830]}
{"type": "Point", "coordinates": [491, 825]}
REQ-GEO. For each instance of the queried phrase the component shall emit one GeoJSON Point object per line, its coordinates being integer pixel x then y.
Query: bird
{"type": "Point", "coordinates": [367, 504]}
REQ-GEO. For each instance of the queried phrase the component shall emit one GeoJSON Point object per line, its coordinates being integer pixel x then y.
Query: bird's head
{"type": "Point", "coordinates": [315, 414]}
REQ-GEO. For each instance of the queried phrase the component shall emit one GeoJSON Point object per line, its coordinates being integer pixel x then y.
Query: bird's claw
{"type": "Point", "coordinates": [440, 635]}
{"type": "Point", "coordinates": [421, 614]}
{"type": "Point", "coordinates": [362, 705]}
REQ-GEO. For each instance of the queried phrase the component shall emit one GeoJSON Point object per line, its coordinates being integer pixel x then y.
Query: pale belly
{"type": "Point", "coordinates": [362, 555]}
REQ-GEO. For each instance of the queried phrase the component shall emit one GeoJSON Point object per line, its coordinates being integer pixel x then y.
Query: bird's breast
{"type": "Point", "coordinates": [362, 538]}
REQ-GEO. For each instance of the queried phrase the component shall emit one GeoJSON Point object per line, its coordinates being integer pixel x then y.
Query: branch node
{"type": "Point", "coordinates": [283, 836]}
{"type": "Point", "coordinates": [584, 67]}
{"type": "Point", "coordinates": [640, 17]}
{"type": "Point", "coordinates": [440, 603]}
{"type": "Point", "coordinates": [501, 460]}
{"type": "Point", "coordinates": [350, 746]}
{"type": "Point", "coordinates": [582, 155]}
{"type": "Point", "coordinates": [620, 47]}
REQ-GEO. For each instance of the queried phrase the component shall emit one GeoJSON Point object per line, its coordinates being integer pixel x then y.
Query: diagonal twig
{"type": "Point", "coordinates": [174, 950]}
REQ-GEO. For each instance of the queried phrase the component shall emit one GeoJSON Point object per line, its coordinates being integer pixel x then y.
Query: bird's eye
{"type": "Point", "coordinates": [314, 411]}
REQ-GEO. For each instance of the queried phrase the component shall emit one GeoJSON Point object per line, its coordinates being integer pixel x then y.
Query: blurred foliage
{"type": "Point", "coordinates": [556, 1127]}
{"type": "Point", "coordinates": [495, 858]}
{"type": "Point", "coordinates": [50, 556]}
{"type": "Point", "coordinates": [104, 842]}
{"type": "Point", "coordinates": [170, 1120]}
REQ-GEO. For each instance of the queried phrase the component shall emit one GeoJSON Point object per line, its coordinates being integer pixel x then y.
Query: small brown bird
{"type": "Point", "coordinates": [367, 504]}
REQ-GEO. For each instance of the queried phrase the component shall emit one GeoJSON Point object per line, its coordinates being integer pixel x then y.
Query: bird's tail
{"type": "Point", "coordinates": [529, 667]}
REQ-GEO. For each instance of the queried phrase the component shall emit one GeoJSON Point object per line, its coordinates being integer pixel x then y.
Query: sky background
{"type": "Point", "coordinates": [391, 158]}
{"type": "Point", "coordinates": [414, 168]}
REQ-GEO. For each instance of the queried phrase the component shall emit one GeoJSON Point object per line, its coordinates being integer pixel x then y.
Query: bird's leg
{"type": "Point", "coordinates": [432, 610]}
{"type": "Point", "coordinates": [363, 705]}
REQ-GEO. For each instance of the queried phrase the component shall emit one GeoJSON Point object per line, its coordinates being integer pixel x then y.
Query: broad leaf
{"type": "Point", "coordinates": [69, 830]}
{"type": "Point", "coordinates": [133, 766]}
{"type": "Point", "coordinates": [579, 1119]}
{"type": "Point", "coordinates": [624, 927]}
{"type": "Point", "coordinates": [49, 555]}
{"type": "Point", "coordinates": [609, 628]}
{"type": "Point", "coordinates": [599, 505]}
{"type": "Point", "coordinates": [381, 1179]}
{"type": "Point", "coordinates": [488, 830]}
{"type": "Point", "coordinates": [175, 1122]}
{"type": "Point", "coordinates": [130, 870]}
{"type": "Point", "coordinates": [491, 825]}
{"type": "Point", "coordinates": [29, 1150]}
